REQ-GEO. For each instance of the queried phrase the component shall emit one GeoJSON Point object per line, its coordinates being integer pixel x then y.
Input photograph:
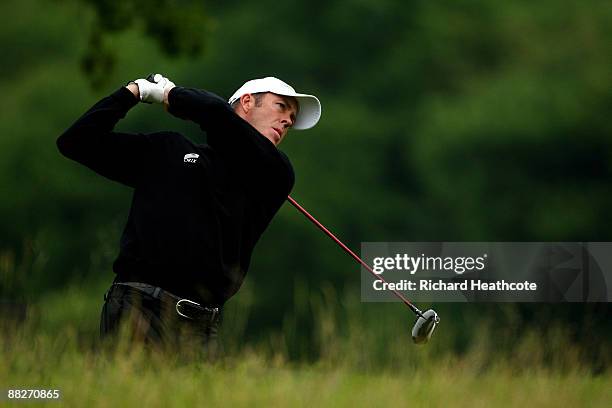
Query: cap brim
{"type": "Point", "coordinates": [309, 111]}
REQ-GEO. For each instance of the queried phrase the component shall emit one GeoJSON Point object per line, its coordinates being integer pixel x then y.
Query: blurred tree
{"type": "Point", "coordinates": [177, 26]}
{"type": "Point", "coordinates": [463, 120]}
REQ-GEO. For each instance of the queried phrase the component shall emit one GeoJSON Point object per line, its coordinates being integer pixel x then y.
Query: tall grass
{"type": "Point", "coordinates": [363, 356]}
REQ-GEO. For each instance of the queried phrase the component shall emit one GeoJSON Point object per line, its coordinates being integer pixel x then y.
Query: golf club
{"type": "Point", "coordinates": [426, 321]}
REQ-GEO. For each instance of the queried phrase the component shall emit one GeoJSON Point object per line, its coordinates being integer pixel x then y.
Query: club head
{"type": "Point", "coordinates": [424, 326]}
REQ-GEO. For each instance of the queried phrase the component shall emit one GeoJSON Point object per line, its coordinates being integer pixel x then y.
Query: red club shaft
{"type": "Point", "coordinates": [351, 253]}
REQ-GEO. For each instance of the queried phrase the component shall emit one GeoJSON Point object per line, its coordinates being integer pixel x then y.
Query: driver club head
{"type": "Point", "coordinates": [424, 326]}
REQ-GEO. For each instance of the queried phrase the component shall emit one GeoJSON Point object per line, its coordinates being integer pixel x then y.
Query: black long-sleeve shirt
{"type": "Point", "coordinates": [197, 209]}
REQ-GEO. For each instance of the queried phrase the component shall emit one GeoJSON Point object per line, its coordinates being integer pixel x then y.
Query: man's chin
{"type": "Point", "coordinates": [274, 137]}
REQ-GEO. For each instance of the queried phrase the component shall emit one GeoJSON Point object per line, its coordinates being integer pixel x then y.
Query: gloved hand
{"type": "Point", "coordinates": [152, 89]}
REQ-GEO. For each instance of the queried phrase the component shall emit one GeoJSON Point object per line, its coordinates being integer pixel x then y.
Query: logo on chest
{"type": "Point", "coordinates": [191, 158]}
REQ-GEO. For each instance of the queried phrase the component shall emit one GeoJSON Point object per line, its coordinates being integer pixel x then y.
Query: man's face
{"type": "Point", "coordinates": [272, 116]}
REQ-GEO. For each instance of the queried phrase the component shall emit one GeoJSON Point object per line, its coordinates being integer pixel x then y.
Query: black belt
{"type": "Point", "coordinates": [184, 307]}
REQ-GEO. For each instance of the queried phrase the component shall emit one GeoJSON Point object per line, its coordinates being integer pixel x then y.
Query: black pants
{"type": "Point", "coordinates": [138, 317]}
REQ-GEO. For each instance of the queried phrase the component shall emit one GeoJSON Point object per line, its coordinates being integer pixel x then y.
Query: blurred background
{"type": "Point", "coordinates": [467, 120]}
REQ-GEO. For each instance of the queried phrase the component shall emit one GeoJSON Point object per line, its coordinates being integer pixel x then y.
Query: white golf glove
{"type": "Point", "coordinates": [152, 89]}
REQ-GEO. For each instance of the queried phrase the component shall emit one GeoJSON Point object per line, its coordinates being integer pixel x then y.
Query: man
{"type": "Point", "coordinates": [197, 209]}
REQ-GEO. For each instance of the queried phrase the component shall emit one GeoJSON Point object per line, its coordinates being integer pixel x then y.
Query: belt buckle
{"type": "Point", "coordinates": [213, 311]}
{"type": "Point", "coordinates": [186, 301]}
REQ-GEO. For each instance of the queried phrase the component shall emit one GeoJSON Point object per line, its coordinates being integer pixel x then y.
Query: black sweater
{"type": "Point", "coordinates": [197, 209]}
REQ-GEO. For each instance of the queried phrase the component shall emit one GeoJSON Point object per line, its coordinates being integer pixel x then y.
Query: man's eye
{"type": "Point", "coordinates": [282, 105]}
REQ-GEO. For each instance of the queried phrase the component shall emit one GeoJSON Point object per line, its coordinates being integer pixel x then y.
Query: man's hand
{"type": "Point", "coordinates": [166, 101]}
{"type": "Point", "coordinates": [154, 88]}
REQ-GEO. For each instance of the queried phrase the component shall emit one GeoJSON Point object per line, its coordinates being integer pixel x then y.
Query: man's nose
{"type": "Point", "coordinates": [287, 122]}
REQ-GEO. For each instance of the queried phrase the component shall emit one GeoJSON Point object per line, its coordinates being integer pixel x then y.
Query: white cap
{"type": "Point", "coordinates": [309, 110]}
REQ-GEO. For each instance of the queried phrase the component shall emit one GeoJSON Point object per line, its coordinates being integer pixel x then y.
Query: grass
{"type": "Point", "coordinates": [366, 364]}
{"type": "Point", "coordinates": [89, 378]}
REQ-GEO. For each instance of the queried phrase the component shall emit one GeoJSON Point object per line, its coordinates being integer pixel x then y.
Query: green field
{"type": "Point", "coordinates": [371, 363]}
{"type": "Point", "coordinates": [467, 121]}
{"type": "Point", "coordinates": [89, 379]}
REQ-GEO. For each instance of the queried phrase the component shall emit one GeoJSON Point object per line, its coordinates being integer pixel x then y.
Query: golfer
{"type": "Point", "coordinates": [197, 209]}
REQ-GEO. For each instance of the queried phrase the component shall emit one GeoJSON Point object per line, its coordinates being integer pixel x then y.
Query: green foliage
{"type": "Point", "coordinates": [178, 27]}
{"type": "Point", "coordinates": [442, 121]}
{"type": "Point", "coordinates": [370, 363]}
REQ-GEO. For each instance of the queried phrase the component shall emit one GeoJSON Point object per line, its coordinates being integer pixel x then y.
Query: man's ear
{"type": "Point", "coordinates": [247, 101]}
